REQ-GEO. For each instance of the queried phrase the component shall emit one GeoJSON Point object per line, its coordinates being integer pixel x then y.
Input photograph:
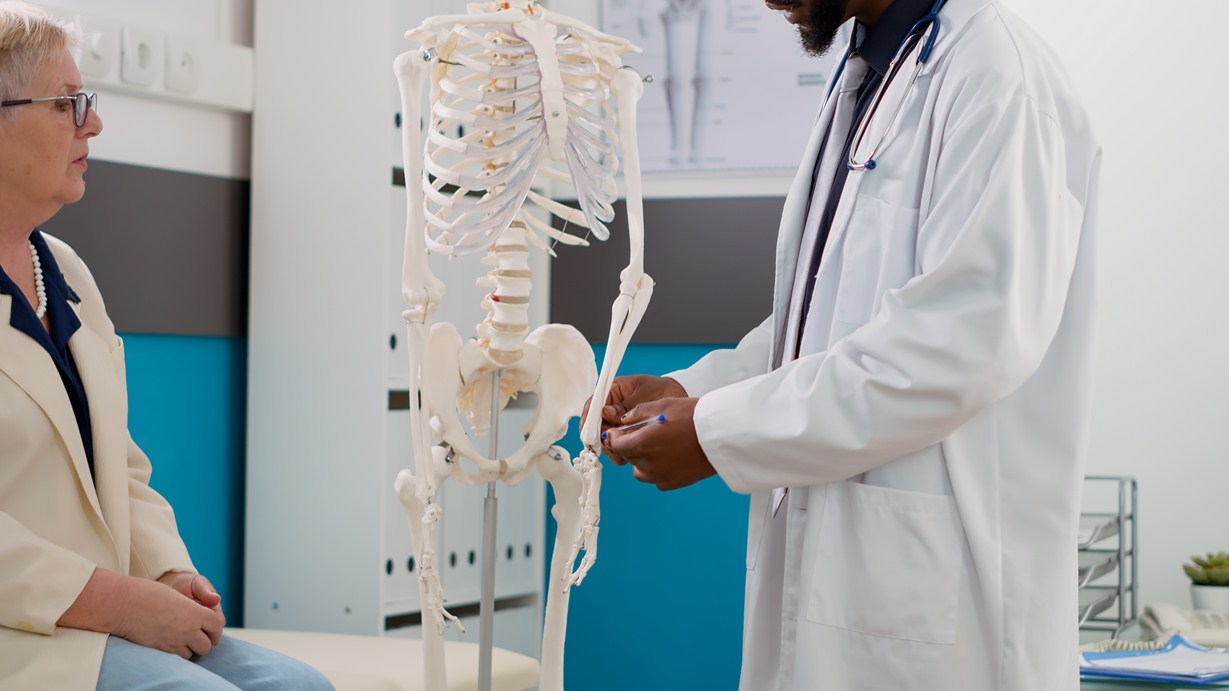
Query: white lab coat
{"type": "Point", "coordinates": [933, 431]}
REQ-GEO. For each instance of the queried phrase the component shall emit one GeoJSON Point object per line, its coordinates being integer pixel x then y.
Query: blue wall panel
{"type": "Point", "coordinates": [662, 608]}
{"type": "Point", "coordinates": [186, 410]}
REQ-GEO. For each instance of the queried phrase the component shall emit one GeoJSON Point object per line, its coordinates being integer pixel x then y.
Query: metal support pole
{"type": "Point", "coordinates": [490, 510]}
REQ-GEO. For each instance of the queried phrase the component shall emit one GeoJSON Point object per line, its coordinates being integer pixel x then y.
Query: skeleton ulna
{"type": "Point", "coordinates": [492, 132]}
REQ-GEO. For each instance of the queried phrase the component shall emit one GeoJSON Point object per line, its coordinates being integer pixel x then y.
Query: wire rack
{"type": "Point", "coordinates": [1108, 554]}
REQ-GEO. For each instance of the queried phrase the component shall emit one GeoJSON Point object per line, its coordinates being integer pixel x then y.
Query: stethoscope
{"type": "Point", "coordinates": [928, 25]}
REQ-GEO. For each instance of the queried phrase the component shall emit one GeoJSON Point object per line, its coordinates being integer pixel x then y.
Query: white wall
{"type": "Point", "coordinates": [162, 132]}
{"type": "Point", "coordinates": [1153, 83]}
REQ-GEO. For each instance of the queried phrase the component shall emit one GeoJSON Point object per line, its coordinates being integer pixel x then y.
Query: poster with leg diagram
{"type": "Point", "coordinates": [731, 88]}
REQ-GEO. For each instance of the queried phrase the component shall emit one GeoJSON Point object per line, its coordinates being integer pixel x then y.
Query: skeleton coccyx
{"type": "Point", "coordinates": [518, 95]}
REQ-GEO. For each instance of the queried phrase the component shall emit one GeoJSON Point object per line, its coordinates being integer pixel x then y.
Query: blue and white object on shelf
{"type": "Point", "coordinates": [1175, 660]}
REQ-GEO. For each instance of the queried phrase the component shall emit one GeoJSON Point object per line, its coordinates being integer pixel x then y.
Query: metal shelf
{"type": "Point", "coordinates": [1094, 602]}
{"type": "Point", "coordinates": [1094, 565]}
{"type": "Point", "coordinates": [1109, 606]}
{"type": "Point", "coordinates": [1095, 527]}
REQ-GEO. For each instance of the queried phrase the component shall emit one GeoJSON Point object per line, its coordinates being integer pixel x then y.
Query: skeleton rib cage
{"type": "Point", "coordinates": [489, 83]}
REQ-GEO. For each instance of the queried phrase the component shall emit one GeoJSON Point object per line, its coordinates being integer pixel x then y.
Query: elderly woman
{"type": "Point", "coordinates": [96, 586]}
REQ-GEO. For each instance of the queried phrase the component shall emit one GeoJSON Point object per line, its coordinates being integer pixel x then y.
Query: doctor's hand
{"type": "Point", "coordinates": [198, 588]}
{"type": "Point", "coordinates": [627, 393]}
{"type": "Point", "coordinates": [666, 454]}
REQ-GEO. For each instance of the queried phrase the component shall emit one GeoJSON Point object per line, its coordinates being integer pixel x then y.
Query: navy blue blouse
{"type": "Point", "coordinates": [64, 323]}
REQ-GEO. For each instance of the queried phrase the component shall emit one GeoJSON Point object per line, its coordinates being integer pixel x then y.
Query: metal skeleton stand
{"type": "Point", "coordinates": [490, 511]}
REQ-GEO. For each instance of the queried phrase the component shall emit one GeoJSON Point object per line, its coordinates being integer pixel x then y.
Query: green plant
{"type": "Point", "coordinates": [1210, 570]}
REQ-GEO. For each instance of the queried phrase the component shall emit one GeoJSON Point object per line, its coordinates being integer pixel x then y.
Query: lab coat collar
{"type": "Point", "coordinates": [954, 20]}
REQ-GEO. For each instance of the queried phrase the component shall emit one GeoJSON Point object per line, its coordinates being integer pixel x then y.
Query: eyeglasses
{"type": "Point", "coordinates": [82, 102]}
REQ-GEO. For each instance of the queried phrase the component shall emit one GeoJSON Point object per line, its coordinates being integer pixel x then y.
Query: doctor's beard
{"type": "Point", "coordinates": [818, 32]}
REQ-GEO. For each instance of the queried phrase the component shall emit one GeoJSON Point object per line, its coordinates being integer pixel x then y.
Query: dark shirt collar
{"type": "Point", "coordinates": [51, 269]}
{"type": "Point", "coordinates": [64, 322]}
{"type": "Point", "coordinates": [878, 44]}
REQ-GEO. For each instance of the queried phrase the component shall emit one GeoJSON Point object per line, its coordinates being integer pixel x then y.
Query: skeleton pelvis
{"type": "Point", "coordinates": [558, 365]}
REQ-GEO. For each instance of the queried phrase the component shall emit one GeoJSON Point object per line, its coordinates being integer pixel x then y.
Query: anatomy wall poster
{"type": "Point", "coordinates": [731, 88]}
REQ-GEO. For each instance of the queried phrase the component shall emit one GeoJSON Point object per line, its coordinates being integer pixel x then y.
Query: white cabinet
{"type": "Point", "coordinates": [327, 544]}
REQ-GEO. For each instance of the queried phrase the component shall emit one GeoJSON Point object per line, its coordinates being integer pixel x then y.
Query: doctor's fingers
{"type": "Point", "coordinates": [623, 445]}
{"type": "Point", "coordinates": [654, 473]}
{"type": "Point", "coordinates": [614, 457]}
{"type": "Point", "coordinates": [629, 392]}
{"type": "Point", "coordinates": [620, 445]}
{"type": "Point", "coordinates": [641, 474]}
{"type": "Point", "coordinates": [617, 401]}
{"type": "Point", "coordinates": [658, 435]}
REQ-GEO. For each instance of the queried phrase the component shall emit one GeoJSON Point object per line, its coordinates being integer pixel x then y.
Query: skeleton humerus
{"type": "Point", "coordinates": [518, 95]}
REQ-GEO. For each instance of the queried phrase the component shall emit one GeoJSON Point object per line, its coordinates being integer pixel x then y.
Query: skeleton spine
{"type": "Point", "coordinates": [503, 332]}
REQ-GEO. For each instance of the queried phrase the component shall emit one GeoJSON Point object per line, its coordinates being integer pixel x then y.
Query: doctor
{"type": "Point", "coordinates": [911, 419]}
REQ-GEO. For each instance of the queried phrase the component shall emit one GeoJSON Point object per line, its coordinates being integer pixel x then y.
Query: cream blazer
{"type": "Point", "coordinates": [56, 523]}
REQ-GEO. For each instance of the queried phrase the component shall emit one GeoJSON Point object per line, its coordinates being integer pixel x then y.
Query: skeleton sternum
{"type": "Point", "coordinates": [502, 333]}
{"type": "Point", "coordinates": [541, 37]}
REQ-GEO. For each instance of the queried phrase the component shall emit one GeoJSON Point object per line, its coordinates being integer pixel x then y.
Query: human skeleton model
{"type": "Point", "coordinates": [517, 94]}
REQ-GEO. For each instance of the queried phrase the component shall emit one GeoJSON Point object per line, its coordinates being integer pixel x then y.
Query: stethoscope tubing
{"type": "Point", "coordinates": [926, 28]}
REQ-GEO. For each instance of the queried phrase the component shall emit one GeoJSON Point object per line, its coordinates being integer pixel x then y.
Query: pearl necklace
{"type": "Point", "coordinates": [38, 284]}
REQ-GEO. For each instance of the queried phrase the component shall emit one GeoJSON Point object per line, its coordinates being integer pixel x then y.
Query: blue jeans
{"type": "Point", "coordinates": [231, 665]}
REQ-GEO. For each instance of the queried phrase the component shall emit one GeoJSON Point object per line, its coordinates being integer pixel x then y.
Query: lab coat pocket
{"type": "Point", "coordinates": [877, 254]}
{"type": "Point", "coordinates": [887, 563]}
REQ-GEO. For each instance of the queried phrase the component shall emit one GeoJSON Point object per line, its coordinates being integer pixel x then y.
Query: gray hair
{"type": "Point", "coordinates": [29, 39]}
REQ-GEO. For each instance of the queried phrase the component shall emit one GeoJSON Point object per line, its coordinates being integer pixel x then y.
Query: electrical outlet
{"type": "Point", "coordinates": [141, 52]}
{"type": "Point", "coordinates": [183, 68]}
{"type": "Point", "coordinates": [100, 50]}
